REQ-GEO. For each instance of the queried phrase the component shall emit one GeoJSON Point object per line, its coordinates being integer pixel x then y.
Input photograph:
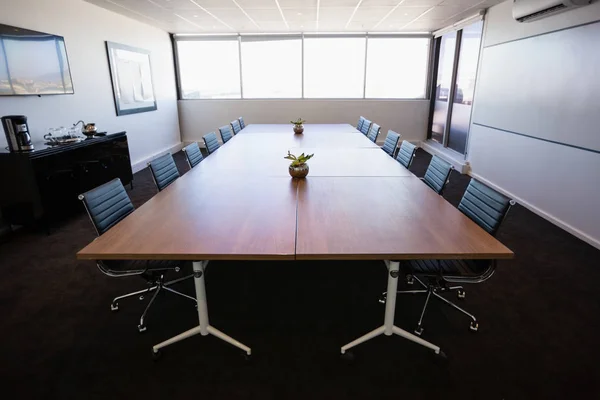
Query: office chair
{"type": "Point", "coordinates": [106, 206]}
{"type": "Point", "coordinates": [487, 208]}
{"type": "Point", "coordinates": [235, 125]}
{"type": "Point", "coordinates": [164, 171]}
{"type": "Point", "coordinates": [226, 133]}
{"type": "Point", "coordinates": [391, 142]}
{"type": "Point", "coordinates": [437, 175]}
{"type": "Point", "coordinates": [406, 154]}
{"type": "Point", "coordinates": [193, 155]}
{"type": "Point", "coordinates": [211, 142]}
{"type": "Point", "coordinates": [373, 132]}
{"type": "Point", "coordinates": [365, 127]}
{"type": "Point", "coordinates": [361, 121]}
{"type": "Point", "coordinates": [242, 123]}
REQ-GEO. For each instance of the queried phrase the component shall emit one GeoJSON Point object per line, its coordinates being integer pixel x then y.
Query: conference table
{"type": "Point", "coordinates": [239, 203]}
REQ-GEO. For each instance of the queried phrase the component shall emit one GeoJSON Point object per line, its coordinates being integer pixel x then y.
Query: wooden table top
{"type": "Point", "coordinates": [326, 162]}
{"type": "Point", "coordinates": [385, 218]}
{"type": "Point", "coordinates": [308, 128]}
{"type": "Point", "coordinates": [200, 217]}
{"type": "Point", "coordinates": [240, 203]}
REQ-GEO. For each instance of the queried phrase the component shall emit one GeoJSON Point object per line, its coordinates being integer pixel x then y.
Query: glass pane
{"type": "Point", "coordinates": [209, 69]}
{"type": "Point", "coordinates": [442, 87]}
{"type": "Point", "coordinates": [465, 87]}
{"type": "Point", "coordinates": [334, 67]}
{"type": "Point", "coordinates": [272, 69]}
{"type": "Point", "coordinates": [397, 68]}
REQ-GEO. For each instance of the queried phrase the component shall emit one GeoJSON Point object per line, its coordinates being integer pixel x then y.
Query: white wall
{"type": "Point", "coordinates": [536, 99]}
{"type": "Point", "coordinates": [407, 117]}
{"type": "Point", "coordinates": [86, 27]}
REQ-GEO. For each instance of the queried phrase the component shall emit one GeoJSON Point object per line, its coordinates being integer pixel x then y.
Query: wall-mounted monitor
{"type": "Point", "coordinates": [33, 63]}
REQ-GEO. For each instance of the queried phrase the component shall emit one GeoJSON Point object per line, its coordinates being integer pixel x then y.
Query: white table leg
{"type": "Point", "coordinates": [204, 327]}
{"type": "Point", "coordinates": [388, 327]}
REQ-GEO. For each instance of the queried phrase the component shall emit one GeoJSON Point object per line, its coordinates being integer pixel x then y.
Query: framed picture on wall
{"type": "Point", "coordinates": [131, 76]}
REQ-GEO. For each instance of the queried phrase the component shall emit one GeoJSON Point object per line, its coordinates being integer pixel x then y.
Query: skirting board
{"type": "Point", "coordinates": [143, 163]}
{"type": "Point", "coordinates": [561, 224]}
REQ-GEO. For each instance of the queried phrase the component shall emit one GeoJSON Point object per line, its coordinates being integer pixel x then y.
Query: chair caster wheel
{"type": "Point", "coordinates": [383, 298]}
{"type": "Point", "coordinates": [142, 328]}
{"type": "Point", "coordinates": [246, 356]}
{"type": "Point", "coordinates": [177, 269]}
{"type": "Point", "coordinates": [347, 356]}
{"type": "Point", "coordinates": [156, 355]}
{"type": "Point", "coordinates": [461, 294]}
{"type": "Point", "coordinates": [442, 355]}
{"type": "Point", "coordinates": [410, 279]}
{"type": "Point", "coordinates": [141, 297]}
{"type": "Point", "coordinates": [474, 326]}
{"type": "Point", "coordinates": [419, 330]}
{"type": "Point", "coordinates": [114, 307]}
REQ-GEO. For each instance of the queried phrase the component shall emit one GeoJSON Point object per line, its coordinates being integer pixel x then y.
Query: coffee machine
{"type": "Point", "coordinates": [17, 133]}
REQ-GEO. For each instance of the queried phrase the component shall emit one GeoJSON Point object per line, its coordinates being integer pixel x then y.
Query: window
{"type": "Point", "coordinates": [297, 66]}
{"type": "Point", "coordinates": [272, 67]}
{"type": "Point", "coordinates": [209, 69]}
{"type": "Point", "coordinates": [397, 68]}
{"type": "Point", "coordinates": [334, 67]}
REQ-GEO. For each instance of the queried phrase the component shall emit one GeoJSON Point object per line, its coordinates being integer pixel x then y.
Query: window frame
{"type": "Point", "coordinates": [193, 37]}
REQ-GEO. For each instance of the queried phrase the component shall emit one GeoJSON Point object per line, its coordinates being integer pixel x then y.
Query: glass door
{"type": "Point", "coordinates": [447, 44]}
{"type": "Point", "coordinates": [456, 74]}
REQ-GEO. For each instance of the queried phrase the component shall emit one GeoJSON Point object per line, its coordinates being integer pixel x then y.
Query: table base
{"type": "Point", "coordinates": [204, 328]}
{"type": "Point", "coordinates": [388, 328]}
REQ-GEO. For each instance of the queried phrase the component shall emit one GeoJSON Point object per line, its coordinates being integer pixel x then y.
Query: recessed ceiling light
{"type": "Point", "coordinates": [405, 13]}
{"type": "Point", "coordinates": [301, 26]}
{"type": "Point", "coordinates": [299, 13]}
{"type": "Point", "coordinates": [195, 16]}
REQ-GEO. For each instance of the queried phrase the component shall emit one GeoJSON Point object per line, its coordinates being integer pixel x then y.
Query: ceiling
{"type": "Point", "coordinates": [229, 16]}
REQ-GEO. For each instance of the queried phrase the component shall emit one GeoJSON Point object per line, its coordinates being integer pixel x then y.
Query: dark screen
{"type": "Point", "coordinates": [33, 63]}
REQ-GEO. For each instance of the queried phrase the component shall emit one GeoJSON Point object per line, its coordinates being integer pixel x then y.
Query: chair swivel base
{"type": "Point", "coordinates": [431, 290]}
{"type": "Point", "coordinates": [160, 286]}
{"type": "Point", "coordinates": [388, 328]}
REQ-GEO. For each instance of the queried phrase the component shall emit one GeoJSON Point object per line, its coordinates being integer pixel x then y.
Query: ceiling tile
{"type": "Point", "coordinates": [308, 26]}
{"type": "Point", "coordinates": [339, 3]}
{"type": "Point", "coordinates": [300, 14]}
{"type": "Point", "coordinates": [261, 14]}
{"type": "Point", "coordinates": [367, 14]}
{"type": "Point", "coordinates": [421, 3]}
{"type": "Point", "coordinates": [247, 4]}
{"type": "Point", "coordinates": [406, 13]}
{"type": "Point", "coordinates": [443, 12]}
{"type": "Point", "coordinates": [297, 3]}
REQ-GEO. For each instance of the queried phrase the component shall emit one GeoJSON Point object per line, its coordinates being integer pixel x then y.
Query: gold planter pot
{"type": "Point", "coordinates": [298, 172]}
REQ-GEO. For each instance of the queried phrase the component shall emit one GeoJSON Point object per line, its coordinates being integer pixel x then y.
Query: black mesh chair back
{"type": "Point", "coordinates": [365, 126]}
{"type": "Point", "coordinates": [193, 155]}
{"type": "Point", "coordinates": [373, 132]}
{"type": "Point", "coordinates": [406, 154]}
{"type": "Point", "coordinates": [106, 205]}
{"type": "Point", "coordinates": [437, 174]}
{"type": "Point", "coordinates": [361, 121]}
{"type": "Point", "coordinates": [226, 133]}
{"type": "Point", "coordinates": [164, 171]}
{"type": "Point", "coordinates": [242, 123]}
{"type": "Point", "coordinates": [211, 142]}
{"type": "Point", "coordinates": [235, 124]}
{"type": "Point", "coordinates": [485, 206]}
{"type": "Point", "coordinates": [391, 142]}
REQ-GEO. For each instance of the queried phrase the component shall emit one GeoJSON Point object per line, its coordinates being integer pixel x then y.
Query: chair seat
{"type": "Point", "coordinates": [152, 267]}
{"type": "Point", "coordinates": [459, 268]}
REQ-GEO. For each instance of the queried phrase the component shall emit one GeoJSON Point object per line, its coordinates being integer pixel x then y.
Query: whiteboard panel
{"type": "Point", "coordinates": [546, 86]}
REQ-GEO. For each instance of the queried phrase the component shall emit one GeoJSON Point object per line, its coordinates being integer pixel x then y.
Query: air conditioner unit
{"type": "Point", "coordinates": [531, 10]}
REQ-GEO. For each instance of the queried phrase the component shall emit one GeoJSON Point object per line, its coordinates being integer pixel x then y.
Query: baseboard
{"type": "Point", "coordinates": [458, 162]}
{"type": "Point", "coordinates": [141, 164]}
{"type": "Point", "coordinates": [556, 221]}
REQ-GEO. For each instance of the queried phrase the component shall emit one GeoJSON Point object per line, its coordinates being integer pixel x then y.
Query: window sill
{"type": "Point", "coordinates": [456, 159]}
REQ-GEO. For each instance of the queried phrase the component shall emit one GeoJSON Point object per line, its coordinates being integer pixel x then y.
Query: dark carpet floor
{"type": "Point", "coordinates": [538, 316]}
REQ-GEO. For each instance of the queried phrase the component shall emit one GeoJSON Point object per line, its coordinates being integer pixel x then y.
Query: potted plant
{"type": "Point", "coordinates": [298, 168]}
{"type": "Point", "coordinates": [298, 127]}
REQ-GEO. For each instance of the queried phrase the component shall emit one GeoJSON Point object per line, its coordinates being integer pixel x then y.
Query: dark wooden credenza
{"type": "Point", "coordinates": [44, 184]}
